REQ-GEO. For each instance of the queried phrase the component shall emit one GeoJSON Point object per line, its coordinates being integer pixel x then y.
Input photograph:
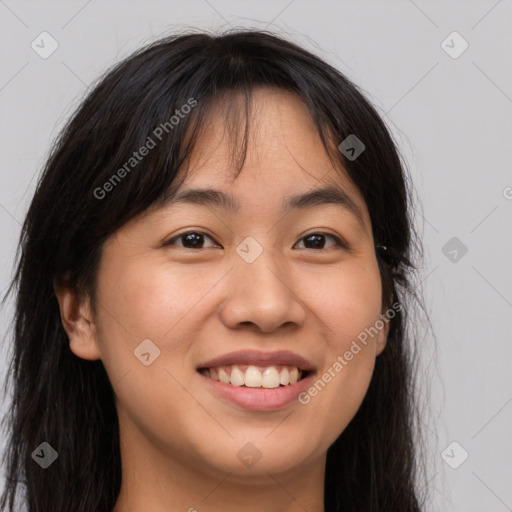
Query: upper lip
{"type": "Point", "coordinates": [257, 358]}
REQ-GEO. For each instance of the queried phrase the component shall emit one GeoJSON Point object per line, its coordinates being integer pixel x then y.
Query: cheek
{"type": "Point", "coordinates": [347, 307]}
{"type": "Point", "coordinates": [141, 302]}
{"type": "Point", "coordinates": [346, 301]}
{"type": "Point", "coordinates": [150, 300]}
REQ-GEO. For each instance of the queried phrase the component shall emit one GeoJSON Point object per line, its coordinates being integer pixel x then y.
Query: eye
{"type": "Point", "coordinates": [316, 240]}
{"type": "Point", "coordinates": [191, 239]}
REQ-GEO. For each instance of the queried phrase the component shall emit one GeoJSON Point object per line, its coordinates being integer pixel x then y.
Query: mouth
{"type": "Point", "coordinates": [255, 388]}
{"type": "Point", "coordinates": [257, 381]}
{"type": "Point", "coordinates": [255, 376]}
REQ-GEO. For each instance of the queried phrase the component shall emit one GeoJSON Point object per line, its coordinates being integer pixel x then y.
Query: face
{"type": "Point", "coordinates": [186, 284]}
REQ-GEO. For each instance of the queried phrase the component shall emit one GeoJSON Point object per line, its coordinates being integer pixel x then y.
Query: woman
{"type": "Point", "coordinates": [212, 293]}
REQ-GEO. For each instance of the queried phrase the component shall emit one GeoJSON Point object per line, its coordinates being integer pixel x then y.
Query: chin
{"type": "Point", "coordinates": [257, 456]}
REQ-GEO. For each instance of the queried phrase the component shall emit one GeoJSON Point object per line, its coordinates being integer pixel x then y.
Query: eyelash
{"type": "Point", "coordinates": [339, 241]}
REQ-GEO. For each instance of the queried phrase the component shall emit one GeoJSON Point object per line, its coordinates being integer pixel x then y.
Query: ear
{"type": "Point", "coordinates": [76, 317]}
{"type": "Point", "coordinates": [382, 336]}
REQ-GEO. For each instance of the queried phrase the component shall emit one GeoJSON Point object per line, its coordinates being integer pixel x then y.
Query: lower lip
{"type": "Point", "coordinates": [259, 399]}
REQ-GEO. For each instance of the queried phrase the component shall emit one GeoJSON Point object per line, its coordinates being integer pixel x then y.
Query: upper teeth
{"type": "Point", "coordinates": [254, 376]}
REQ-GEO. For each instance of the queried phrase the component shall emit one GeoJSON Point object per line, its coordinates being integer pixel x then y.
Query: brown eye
{"type": "Point", "coordinates": [191, 240]}
{"type": "Point", "coordinates": [317, 241]}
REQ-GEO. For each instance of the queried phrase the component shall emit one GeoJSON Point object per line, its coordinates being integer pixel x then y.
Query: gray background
{"type": "Point", "coordinates": [452, 118]}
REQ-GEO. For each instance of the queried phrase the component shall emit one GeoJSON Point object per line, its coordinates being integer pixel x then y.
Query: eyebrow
{"type": "Point", "coordinates": [312, 198]}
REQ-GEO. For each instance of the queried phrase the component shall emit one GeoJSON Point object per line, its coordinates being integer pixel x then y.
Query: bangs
{"type": "Point", "coordinates": [171, 119]}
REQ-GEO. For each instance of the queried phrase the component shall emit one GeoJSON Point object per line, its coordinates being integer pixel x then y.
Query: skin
{"type": "Point", "coordinates": [179, 441]}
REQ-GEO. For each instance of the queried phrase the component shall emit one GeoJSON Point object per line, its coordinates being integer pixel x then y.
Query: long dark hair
{"type": "Point", "coordinates": [68, 402]}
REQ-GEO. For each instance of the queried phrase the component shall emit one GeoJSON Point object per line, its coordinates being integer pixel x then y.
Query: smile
{"type": "Point", "coordinates": [252, 376]}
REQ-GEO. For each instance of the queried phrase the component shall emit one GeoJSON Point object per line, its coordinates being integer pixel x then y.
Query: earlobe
{"type": "Point", "coordinates": [75, 313]}
{"type": "Point", "coordinates": [382, 338]}
{"type": "Point", "coordinates": [381, 345]}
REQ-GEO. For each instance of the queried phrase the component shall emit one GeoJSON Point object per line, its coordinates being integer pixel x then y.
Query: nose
{"type": "Point", "coordinates": [261, 295]}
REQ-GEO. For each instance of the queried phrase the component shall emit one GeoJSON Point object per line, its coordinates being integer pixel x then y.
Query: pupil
{"type": "Point", "coordinates": [316, 240]}
{"type": "Point", "coordinates": [194, 238]}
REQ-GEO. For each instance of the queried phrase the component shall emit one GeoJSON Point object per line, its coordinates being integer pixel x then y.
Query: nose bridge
{"type": "Point", "coordinates": [261, 292]}
{"type": "Point", "coordinates": [260, 268]}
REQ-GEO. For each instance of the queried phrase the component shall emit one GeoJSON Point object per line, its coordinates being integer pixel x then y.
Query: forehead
{"type": "Point", "coordinates": [285, 164]}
